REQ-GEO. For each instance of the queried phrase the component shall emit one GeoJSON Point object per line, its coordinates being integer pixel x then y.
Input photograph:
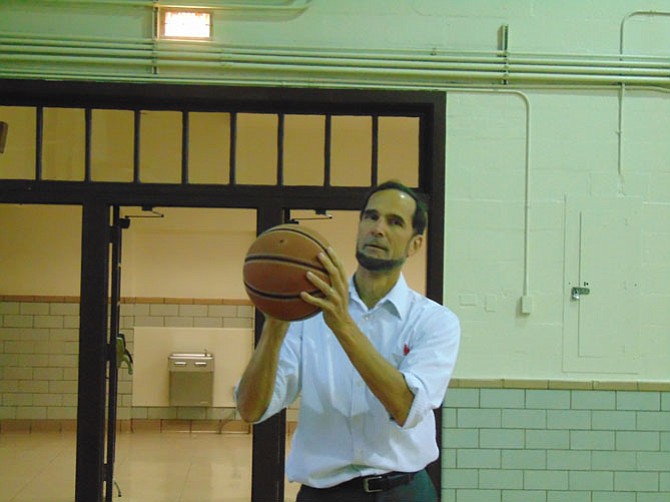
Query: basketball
{"type": "Point", "coordinates": [275, 269]}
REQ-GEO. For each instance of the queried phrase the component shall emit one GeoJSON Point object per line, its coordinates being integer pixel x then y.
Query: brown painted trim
{"type": "Point", "coordinates": [129, 300]}
{"type": "Point", "coordinates": [633, 386]}
{"type": "Point", "coordinates": [47, 425]}
{"type": "Point", "coordinates": [147, 299]}
{"type": "Point", "coordinates": [17, 298]}
{"type": "Point", "coordinates": [134, 425]}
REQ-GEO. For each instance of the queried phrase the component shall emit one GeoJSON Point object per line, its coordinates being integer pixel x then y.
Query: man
{"type": "Point", "coordinates": [370, 367]}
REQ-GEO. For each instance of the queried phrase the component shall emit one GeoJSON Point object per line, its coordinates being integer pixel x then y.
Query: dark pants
{"type": "Point", "coordinates": [420, 489]}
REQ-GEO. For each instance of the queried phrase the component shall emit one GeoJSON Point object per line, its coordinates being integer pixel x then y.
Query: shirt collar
{"type": "Point", "coordinates": [396, 300]}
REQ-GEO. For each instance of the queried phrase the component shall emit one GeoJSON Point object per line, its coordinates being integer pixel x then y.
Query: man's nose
{"type": "Point", "coordinates": [379, 227]}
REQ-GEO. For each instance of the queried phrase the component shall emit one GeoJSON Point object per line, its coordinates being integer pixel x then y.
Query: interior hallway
{"type": "Point", "coordinates": [150, 467]}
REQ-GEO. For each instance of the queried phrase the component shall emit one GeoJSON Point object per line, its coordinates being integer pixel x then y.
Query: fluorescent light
{"type": "Point", "coordinates": [185, 24]}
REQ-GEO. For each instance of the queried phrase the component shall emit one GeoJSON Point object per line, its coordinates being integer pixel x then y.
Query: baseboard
{"type": "Point", "coordinates": [134, 425]}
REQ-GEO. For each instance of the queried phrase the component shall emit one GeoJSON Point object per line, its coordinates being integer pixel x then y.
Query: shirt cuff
{"type": "Point", "coordinates": [420, 405]}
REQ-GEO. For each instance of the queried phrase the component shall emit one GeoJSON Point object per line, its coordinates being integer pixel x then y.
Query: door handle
{"type": "Point", "coordinates": [577, 292]}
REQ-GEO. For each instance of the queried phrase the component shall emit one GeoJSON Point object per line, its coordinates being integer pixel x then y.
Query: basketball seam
{"type": "Point", "coordinates": [283, 259]}
{"type": "Point", "coordinates": [277, 296]}
{"type": "Point", "coordinates": [297, 231]}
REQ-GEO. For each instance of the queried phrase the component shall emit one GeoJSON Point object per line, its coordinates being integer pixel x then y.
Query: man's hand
{"type": "Point", "coordinates": [335, 301]}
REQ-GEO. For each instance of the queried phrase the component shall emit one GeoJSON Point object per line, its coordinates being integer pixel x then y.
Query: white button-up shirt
{"type": "Point", "coordinates": [343, 429]}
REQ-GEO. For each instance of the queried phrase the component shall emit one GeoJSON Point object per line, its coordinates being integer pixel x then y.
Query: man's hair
{"type": "Point", "coordinates": [420, 216]}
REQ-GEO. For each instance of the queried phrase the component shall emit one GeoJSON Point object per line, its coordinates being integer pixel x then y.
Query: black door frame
{"type": "Point", "coordinates": [97, 199]}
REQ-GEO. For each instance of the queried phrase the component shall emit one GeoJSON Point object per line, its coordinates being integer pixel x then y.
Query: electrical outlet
{"type": "Point", "coordinates": [526, 304]}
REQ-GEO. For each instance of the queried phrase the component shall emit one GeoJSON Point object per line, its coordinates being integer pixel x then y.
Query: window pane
{"type": "Point", "coordinates": [209, 148]}
{"type": "Point", "coordinates": [304, 139]}
{"type": "Point", "coordinates": [112, 145]}
{"type": "Point", "coordinates": [257, 149]}
{"type": "Point", "coordinates": [351, 151]}
{"type": "Point", "coordinates": [399, 149]}
{"type": "Point", "coordinates": [63, 144]}
{"type": "Point", "coordinates": [160, 151]}
{"type": "Point", "coordinates": [18, 160]}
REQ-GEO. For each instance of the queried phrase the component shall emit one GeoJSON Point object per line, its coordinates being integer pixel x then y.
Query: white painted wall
{"type": "Point", "coordinates": [591, 217]}
{"type": "Point", "coordinates": [524, 169]}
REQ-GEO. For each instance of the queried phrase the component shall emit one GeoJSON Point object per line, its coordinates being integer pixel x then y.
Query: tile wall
{"type": "Point", "coordinates": [556, 442]}
{"type": "Point", "coordinates": [39, 350]}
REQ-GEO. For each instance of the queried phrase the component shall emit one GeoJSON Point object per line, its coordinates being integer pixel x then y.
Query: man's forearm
{"type": "Point", "coordinates": [384, 380]}
{"type": "Point", "coordinates": [258, 380]}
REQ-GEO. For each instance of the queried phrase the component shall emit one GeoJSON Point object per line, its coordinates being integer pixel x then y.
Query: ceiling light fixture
{"type": "Point", "coordinates": [184, 24]}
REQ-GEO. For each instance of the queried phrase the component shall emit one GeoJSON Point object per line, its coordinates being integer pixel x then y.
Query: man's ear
{"type": "Point", "coordinates": [414, 244]}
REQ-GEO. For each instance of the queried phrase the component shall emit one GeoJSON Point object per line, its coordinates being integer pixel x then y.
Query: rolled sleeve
{"type": "Point", "coordinates": [428, 369]}
{"type": "Point", "coordinates": [420, 404]}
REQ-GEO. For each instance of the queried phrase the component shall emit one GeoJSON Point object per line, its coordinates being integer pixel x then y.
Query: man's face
{"type": "Point", "coordinates": [385, 234]}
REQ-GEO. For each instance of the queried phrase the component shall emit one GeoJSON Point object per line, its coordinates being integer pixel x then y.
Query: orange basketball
{"type": "Point", "coordinates": [275, 269]}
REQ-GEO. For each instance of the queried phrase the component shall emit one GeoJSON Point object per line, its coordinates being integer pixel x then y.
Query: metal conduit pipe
{"type": "Point", "coordinates": [584, 70]}
{"type": "Point", "coordinates": [613, 60]}
{"type": "Point", "coordinates": [36, 45]}
{"type": "Point", "coordinates": [622, 91]}
{"type": "Point", "coordinates": [613, 66]}
{"type": "Point", "coordinates": [619, 132]}
{"type": "Point", "coordinates": [177, 59]}
{"type": "Point", "coordinates": [38, 39]}
{"type": "Point", "coordinates": [86, 52]}
{"type": "Point", "coordinates": [439, 56]}
{"type": "Point", "coordinates": [493, 57]}
{"type": "Point", "coordinates": [185, 48]}
{"type": "Point", "coordinates": [49, 59]}
{"type": "Point", "coordinates": [622, 26]}
{"type": "Point", "coordinates": [111, 3]}
{"type": "Point", "coordinates": [420, 76]}
{"type": "Point", "coordinates": [397, 84]}
{"type": "Point", "coordinates": [545, 66]}
{"type": "Point", "coordinates": [295, 5]}
{"type": "Point", "coordinates": [527, 173]}
{"type": "Point", "coordinates": [239, 56]}
{"type": "Point", "coordinates": [76, 47]}
{"type": "Point", "coordinates": [160, 57]}
{"type": "Point", "coordinates": [211, 46]}
{"type": "Point", "coordinates": [414, 55]}
{"type": "Point", "coordinates": [433, 67]}
{"type": "Point", "coordinates": [478, 72]}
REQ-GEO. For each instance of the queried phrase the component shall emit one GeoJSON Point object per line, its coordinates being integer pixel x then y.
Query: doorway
{"type": "Point", "coordinates": [98, 177]}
